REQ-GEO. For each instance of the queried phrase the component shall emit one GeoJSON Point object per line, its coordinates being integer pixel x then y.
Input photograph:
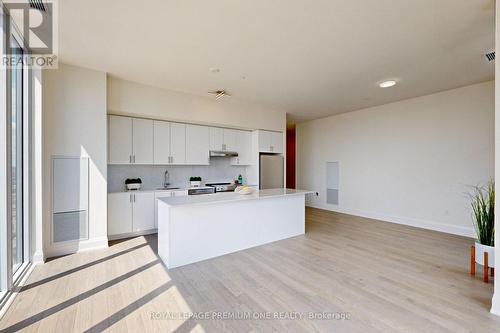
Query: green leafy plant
{"type": "Point", "coordinates": [483, 206]}
{"type": "Point", "coordinates": [195, 179]}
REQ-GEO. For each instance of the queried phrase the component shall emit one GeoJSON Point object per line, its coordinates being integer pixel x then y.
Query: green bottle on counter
{"type": "Point", "coordinates": [240, 180]}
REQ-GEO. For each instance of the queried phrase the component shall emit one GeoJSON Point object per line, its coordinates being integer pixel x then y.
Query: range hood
{"type": "Point", "coordinates": [223, 153]}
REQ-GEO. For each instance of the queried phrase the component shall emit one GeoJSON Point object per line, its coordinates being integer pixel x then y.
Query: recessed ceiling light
{"type": "Point", "coordinates": [387, 84]}
{"type": "Point", "coordinates": [214, 70]}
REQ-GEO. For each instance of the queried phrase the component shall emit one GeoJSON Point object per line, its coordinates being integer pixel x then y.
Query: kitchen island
{"type": "Point", "coordinates": [195, 228]}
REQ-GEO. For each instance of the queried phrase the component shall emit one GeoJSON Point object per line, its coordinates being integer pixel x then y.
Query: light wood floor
{"type": "Point", "coordinates": [387, 277]}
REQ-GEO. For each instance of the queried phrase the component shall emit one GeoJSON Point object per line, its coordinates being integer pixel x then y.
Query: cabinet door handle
{"type": "Point", "coordinates": [223, 146]}
{"type": "Point", "coordinates": [130, 158]}
{"type": "Point", "coordinates": [171, 159]}
{"type": "Point", "coordinates": [131, 198]}
{"type": "Point", "coordinates": [134, 197]}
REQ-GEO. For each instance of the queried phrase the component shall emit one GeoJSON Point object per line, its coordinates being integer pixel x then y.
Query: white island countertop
{"type": "Point", "coordinates": [231, 196]}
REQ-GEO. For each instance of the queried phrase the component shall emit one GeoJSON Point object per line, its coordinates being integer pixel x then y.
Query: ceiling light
{"type": "Point", "coordinates": [387, 84]}
{"type": "Point", "coordinates": [214, 70]}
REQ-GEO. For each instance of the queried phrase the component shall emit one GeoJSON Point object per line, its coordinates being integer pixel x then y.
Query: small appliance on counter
{"type": "Point", "coordinates": [222, 187]}
{"type": "Point", "coordinates": [133, 184]}
{"type": "Point", "coordinates": [201, 190]}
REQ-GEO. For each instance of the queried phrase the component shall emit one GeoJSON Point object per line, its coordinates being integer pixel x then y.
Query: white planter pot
{"type": "Point", "coordinates": [480, 249]}
{"type": "Point", "coordinates": [195, 183]}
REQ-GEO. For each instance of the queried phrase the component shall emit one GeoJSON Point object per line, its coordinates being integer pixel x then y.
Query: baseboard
{"type": "Point", "coordinates": [424, 224]}
{"type": "Point", "coordinates": [38, 258]}
{"type": "Point", "coordinates": [133, 234]}
{"type": "Point", "coordinates": [495, 304]}
{"type": "Point", "coordinates": [11, 294]}
{"type": "Point", "coordinates": [78, 246]}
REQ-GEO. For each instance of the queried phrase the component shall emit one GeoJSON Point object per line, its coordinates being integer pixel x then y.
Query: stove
{"type": "Point", "coordinates": [222, 187]}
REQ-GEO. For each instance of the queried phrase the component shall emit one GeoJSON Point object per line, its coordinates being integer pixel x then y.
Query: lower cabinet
{"type": "Point", "coordinates": [130, 212]}
{"type": "Point", "coordinates": [143, 216]}
{"type": "Point", "coordinates": [119, 213]}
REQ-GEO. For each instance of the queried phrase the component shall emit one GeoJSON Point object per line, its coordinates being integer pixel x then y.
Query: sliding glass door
{"type": "Point", "coordinates": [15, 151]}
{"type": "Point", "coordinates": [16, 157]}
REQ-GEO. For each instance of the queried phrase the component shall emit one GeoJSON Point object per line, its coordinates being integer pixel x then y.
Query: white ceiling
{"type": "Point", "coordinates": [310, 58]}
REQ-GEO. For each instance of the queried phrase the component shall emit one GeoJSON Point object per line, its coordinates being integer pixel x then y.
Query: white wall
{"type": "Point", "coordinates": [134, 99]}
{"type": "Point", "coordinates": [74, 124]}
{"type": "Point", "coordinates": [495, 304]}
{"type": "Point", "coordinates": [409, 162]}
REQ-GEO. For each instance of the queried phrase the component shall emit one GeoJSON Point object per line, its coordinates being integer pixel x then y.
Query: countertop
{"type": "Point", "coordinates": [158, 189]}
{"type": "Point", "coordinates": [231, 196]}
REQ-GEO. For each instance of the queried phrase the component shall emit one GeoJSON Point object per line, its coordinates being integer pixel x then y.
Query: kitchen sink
{"type": "Point", "coordinates": [168, 188]}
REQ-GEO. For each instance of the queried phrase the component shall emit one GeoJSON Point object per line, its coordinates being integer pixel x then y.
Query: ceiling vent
{"type": "Point", "coordinates": [490, 56]}
{"type": "Point", "coordinates": [37, 4]}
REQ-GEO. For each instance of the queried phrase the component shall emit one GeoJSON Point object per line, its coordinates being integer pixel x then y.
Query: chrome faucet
{"type": "Point", "coordinates": [166, 179]}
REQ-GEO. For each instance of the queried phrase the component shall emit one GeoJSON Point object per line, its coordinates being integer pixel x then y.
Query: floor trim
{"type": "Point", "coordinates": [495, 304]}
{"type": "Point", "coordinates": [11, 294]}
{"type": "Point", "coordinates": [418, 223]}
{"type": "Point", "coordinates": [78, 246]}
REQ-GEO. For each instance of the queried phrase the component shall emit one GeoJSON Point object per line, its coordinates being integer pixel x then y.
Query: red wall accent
{"type": "Point", "coordinates": [290, 157]}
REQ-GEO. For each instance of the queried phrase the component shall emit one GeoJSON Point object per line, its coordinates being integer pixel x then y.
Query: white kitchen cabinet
{"type": "Point", "coordinates": [270, 142]}
{"type": "Point", "coordinates": [277, 142]}
{"type": "Point", "coordinates": [230, 137]}
{"type": "Point", "coordinates": [197, 145]}
{"type": "Point", "coordinates": [130, 140]}
{"type": "Point", "coordinates": [161, 142]}
{"type": "Point", "coordinates": [143, 215]}
{"type": "Point", "coordinates": [216, 138]}
{"type": "Point", "coordinates": [120, 140]}
{"type": "Point", "coordinates": [119, 213]}
{"type": "Point", "coordinates": [244, 148]}
{"type": "Point", "coordinates": [222, 139]}
{"type": "Point", "coordinates": [169, 143]}
{"type": "Point", "coordinates": [142, 141]}
{"type": "Point", "coordinates": [178, 143]}
{"type": "Point", "coordinates": [130, 212]}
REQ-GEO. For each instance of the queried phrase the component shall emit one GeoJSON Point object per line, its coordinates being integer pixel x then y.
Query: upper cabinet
{"type": "Point", "coordinates": [145, 141]}
{"type": "Point", "coordinates": [169, 143]}
{"type": "Point", "coordinates": [197, 145]}
{"type": "Point", "coordinates": [119, 140]}
{"type": "Point", "coordinates": [142, 141]}
{"type": "Point", "coordinates": [161, 142]}
{"type": "Point", "coordinates": [244, 148]}
{"type": "Point", "coordinates": [216, 138]}
{"type": "Point", "coordinates": [270, 142]}
{"type": "Point", "coordinates": [130, 140]}
{"type": "Point", "coordinates": [230, 137]}
{"type": "Point", "coordinates": [222, 139]}
{"type": "Point", "coordinates": [178, 136]}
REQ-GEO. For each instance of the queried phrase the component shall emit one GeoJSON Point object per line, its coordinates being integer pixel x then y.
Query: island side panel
{"type": "Point", "coordinates": [163, 231]}
{"type": "Point", "coordinates": [199, 232]}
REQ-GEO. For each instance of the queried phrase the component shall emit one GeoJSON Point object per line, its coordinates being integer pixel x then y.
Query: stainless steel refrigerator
{"type": "Point", "coordinates": [271, 171]}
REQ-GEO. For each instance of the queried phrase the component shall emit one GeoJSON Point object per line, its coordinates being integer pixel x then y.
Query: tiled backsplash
{"type": "Point", "coordinates": [219, 170]}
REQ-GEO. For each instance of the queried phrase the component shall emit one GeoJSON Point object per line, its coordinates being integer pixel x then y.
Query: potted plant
{"type": "Point", "coordinates": [195, 181]}
{"type": "Point", "coordinates": [483, 206]}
